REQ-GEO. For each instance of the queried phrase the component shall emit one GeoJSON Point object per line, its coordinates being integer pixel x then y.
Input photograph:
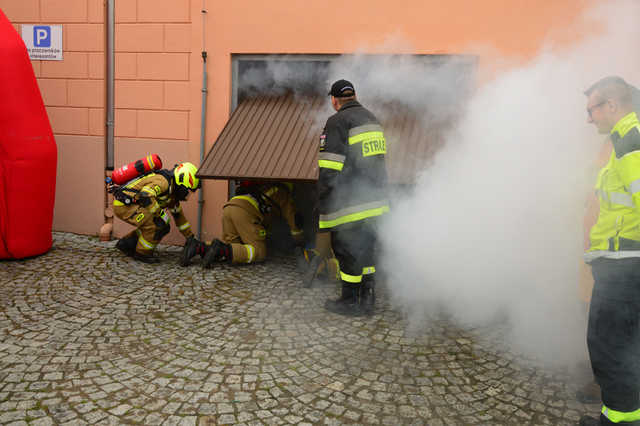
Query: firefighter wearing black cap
{"type": "Point", "coordinates": [352, 194]}
{"type": "Point", "coordinates": [613, 335]}
{"type": "Point", "coordinates": [246, 218]}
{"type": "Point", "coordinates": [144, 202]}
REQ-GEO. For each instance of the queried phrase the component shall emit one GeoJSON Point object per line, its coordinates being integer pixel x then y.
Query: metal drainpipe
{"type": "Point", "coordinates": [107, 228]}
{"type": "Point", "coordinates": [111, 22]}
{"type": "Point", "coordinates": [203, 117]}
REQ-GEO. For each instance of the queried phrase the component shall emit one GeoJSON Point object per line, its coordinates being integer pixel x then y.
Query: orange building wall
{"type": "Point", "coordinates": [493, 29]}
{"type": "Point", "coordinates": [159, 69]}
{"type": "Point", "coordinates": [152, 51]}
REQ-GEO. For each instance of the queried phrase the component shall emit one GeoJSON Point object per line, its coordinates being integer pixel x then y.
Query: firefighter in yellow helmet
{"type": "Point", "coordinates": [613, 335]}
{"type": "Point", "coordinates": [246, 220]}
{"type": "Point", "coordinates": [146, 201]}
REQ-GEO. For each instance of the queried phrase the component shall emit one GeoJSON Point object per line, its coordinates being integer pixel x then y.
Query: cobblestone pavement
{"type": "Point", "coordinates": [88, 336]}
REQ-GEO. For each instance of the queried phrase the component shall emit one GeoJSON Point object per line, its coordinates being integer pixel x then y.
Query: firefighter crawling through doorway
{"type": "Point", "coordinates": [256, 211]}
{"type": "Point", "coordinates": [143, 194]}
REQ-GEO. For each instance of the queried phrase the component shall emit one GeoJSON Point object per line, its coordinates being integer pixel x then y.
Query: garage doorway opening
{"type": "Point", "coordinates": [279, 104]}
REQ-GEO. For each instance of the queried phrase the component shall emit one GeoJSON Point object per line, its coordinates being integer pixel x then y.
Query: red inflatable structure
{"type": "Point", "coordinates": [28, 154]}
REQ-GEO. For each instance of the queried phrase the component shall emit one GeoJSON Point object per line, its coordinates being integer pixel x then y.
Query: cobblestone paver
{"type": "Point", "coordinates": [88, 336]}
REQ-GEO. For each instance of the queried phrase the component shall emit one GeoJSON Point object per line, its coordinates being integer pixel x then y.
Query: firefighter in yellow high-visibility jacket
{"type": "Point", "coordinates": [144, 202]}
{"type": "Point", "coordinates": [613, 335]}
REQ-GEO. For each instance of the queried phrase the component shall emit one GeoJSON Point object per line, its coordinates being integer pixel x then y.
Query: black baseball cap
{"type": "Point", "coordinates": [342, 89]}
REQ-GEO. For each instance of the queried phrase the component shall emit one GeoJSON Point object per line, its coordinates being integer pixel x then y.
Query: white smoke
{"type": "Point", "coordinates": [495, 224]}
{"type": "Point", "coordinates": [494, 227]}
{"type": "Point", "coordinates": [282, 75]}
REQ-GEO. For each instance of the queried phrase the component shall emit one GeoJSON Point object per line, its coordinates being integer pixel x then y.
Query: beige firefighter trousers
{"type": "Point", "coordinates": [148, 225]}
{"type": "Point", "coordinates": [246, 234]}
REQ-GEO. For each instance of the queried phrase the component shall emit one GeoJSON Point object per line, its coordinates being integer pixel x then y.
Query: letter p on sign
{"type": "Point", "coordinates": [42, 36]}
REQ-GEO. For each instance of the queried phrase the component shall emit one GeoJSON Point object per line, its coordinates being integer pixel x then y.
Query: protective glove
{"type": "Point", "coordinates": [192, 247]}
{"type": "Point", "coordinates": [217, 251]}
{"type": "Point", "coordinates": [143, 199]}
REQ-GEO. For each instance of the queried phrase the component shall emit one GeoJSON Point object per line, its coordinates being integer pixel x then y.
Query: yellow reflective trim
{"type": "Point", "coordinates": [296, 232]}
{"type": "Point", "coordinates": [331, 157]}
{"type": "Point", "coordinates": [271, 191]}
{"type": "Point", "coordinates": [250, 252]}
{"type": "Point", "coordinates": [354, 217]}
{"type": "Point", "coordinates": [371, 127]}
{"type": "Point", "coordinates": [135, 180]}
{"type": "Point", "coordinates": [248, 198]}
{"type": "Point", "coordinates": [365, 137]}
{"type": "Point", "coordinates": [328, 164]}
{"type": "Point", "coordinates": [144, 242]}
{"type": "Point", "coordinates": [149, 190]}
{"type": "Point", "coordinates": [368, 270]}
{"type": "Point", "coordinates": [350, 278]}
{"type": "Point", "coordinates": [309, 252]}
{"type": "Point", "coordinates": [140, 217]}
{"type": "Point", "coordinates": [184, 226]}
{"type": "Point", "coordinates": [625, 124]}
{"type": "Point", "coordinates": [374, 147]}
{"type": "Point", "coordinates": [150, 160]}
{"type": "Point", "coordinates": [620, 416]}
{"type": "Point", "coordinates": [118, 203]}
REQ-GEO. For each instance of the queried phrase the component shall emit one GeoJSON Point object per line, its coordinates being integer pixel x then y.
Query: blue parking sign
{"type": "Point", "coordinates": [43, 42]}
{"type": "Point", "coordinates": [41, 36]}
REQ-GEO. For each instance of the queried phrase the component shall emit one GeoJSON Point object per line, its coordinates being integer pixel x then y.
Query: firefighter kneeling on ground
{"type": "Point", "coordinates": [245, 220]}
{"type": "Point", "coordinates": [144, 202]}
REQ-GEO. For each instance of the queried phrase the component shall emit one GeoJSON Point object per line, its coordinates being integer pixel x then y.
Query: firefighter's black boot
{"type": "Point", "coordinates": [349, 303]}
{"type": "Point", "coordinates": [368, 294]}
{"type": "Point", "coordinates": [217, 251]}
{"type": "Point", "coordinates": [127, 244]}
{"type": "Point", "coordinates": [192, 247]}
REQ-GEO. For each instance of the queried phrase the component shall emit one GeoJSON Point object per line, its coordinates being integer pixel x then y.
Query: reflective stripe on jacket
{"type": "Point", "coordinates": [352, 181]}
{"type": "Point", "coordinates": [616, 234]}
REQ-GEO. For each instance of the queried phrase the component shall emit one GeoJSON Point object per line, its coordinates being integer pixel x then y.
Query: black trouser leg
{"type": "Point", "coordinates": [353, 244]}
{"type": "Point", "coordinates": [613, 335]}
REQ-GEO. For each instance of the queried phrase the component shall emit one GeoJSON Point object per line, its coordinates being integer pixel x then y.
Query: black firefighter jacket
{"type": "Point", "coordinates": [352, 182]}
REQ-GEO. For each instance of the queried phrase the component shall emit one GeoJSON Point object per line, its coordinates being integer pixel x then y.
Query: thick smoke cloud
{"type": "Point", "coordinates": [284, 75]}
{"type": "Point", "coordinates": [494, 227]}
